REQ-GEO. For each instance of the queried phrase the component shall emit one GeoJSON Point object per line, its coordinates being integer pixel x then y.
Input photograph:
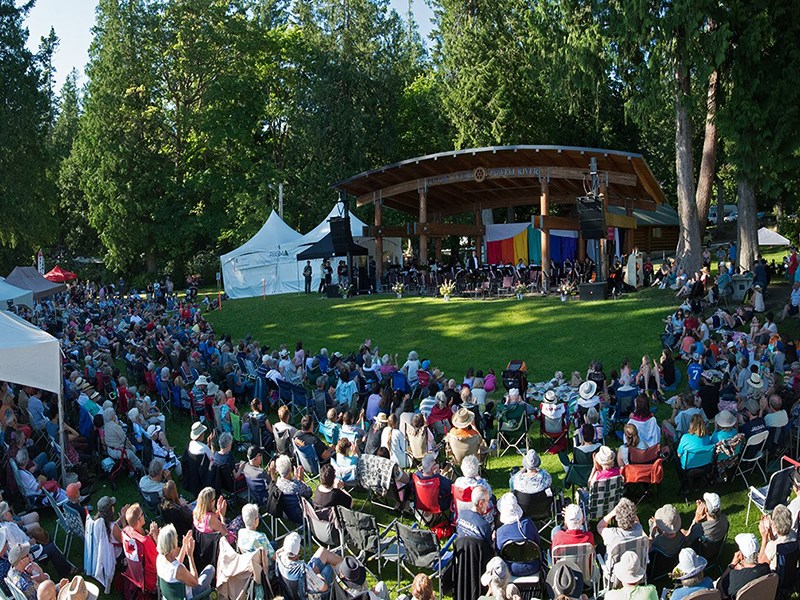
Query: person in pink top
{"type": "Point", "coordinates": [604, 465]}
{"type": "Point", "coordinates": [490, 382]}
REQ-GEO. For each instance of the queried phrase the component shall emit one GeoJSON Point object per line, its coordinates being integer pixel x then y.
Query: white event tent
{"type": "Point", "coordinates": [17, 295]}
{"type": "Point", "coordinates": [767, 237]}
{"type": "Point", "coordinates": [267, 263]}
{"type": "Point", "coordinates": [32, 357]}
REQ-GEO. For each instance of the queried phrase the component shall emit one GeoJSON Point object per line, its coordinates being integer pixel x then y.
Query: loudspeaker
{"type": "Point", "coordinates": [592, 218]}
{"type": "Point", "coordinates": [332, 291]}
{"type": "Point", "coordinates": [341, 236]}
{"type": "Point", "coordinates": [593, 291]}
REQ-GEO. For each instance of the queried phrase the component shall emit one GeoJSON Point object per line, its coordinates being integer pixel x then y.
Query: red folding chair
{"type": "Point", "coordinates": [133, 576]}
{"type": "Point", "coordinates": [426, 499]}
{"type": "Point", "coordinates": [556, 431]}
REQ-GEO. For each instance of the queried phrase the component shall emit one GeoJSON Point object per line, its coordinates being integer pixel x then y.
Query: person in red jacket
{"type": "Point", "coordinates": [571, 532]}
{"type": "Point", "coordinates": [147, 540]}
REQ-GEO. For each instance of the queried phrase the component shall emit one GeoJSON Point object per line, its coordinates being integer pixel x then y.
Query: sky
{"type": "Point", "coordinates": [73, 20]}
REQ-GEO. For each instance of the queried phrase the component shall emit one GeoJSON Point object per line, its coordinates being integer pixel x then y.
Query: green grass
{"type": "Point", "coordinates": [544, 332]}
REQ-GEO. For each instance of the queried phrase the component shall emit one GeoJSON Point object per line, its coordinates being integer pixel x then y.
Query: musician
{"type": "Point", "coordinates": [521, 268]}
{"type": "Point", "coordinates": [474, 262]}
{"type": "Point", "coordinates": [371, 272]}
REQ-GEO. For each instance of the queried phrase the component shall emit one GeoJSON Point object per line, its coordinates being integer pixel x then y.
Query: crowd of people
{"type": "Point", "coordinates": [137, 365]}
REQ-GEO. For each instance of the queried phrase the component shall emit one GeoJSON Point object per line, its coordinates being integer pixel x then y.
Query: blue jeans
{"type": "Point", "coordinates": [46, 468]}
{"type": "Point", "coordinates": [325, 571]}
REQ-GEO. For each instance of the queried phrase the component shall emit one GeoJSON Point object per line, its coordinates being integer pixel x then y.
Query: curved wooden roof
{"type": "Point", "coordinates": [465, 180]}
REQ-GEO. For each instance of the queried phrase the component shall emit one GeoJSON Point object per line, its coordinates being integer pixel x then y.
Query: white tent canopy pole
{"type": "Point", "coordinates": [32, 357]}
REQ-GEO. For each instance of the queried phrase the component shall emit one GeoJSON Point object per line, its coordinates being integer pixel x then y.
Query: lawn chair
{"type": "Point", "coordinates": [376, 475]}
{"type": "Point", "coordinates": [602, 497]}
{"type": "Point", "coordinates": [283, 443]}
{"type": "Point", "coordinates": [195, 471]}
{"type": "Point", "coordinates": [470, 557]}
{"type": "Point", "coordinates": [365, 539]}
{"type": "Point", "coordinates": [133, 575]}
{"type": "Point", "coordinates": [787, 555]}
{"type": "Point", "coordinates": [646, 468]}
{"type": "Point", "coordinates": [542, 508]}
{"type": "Point", "coordinates": [697, 478]}
{"type": "Point", "coordinates": [506, 288]}
{"type": "Point", "coordinates": [320, 531]}
{"type": "Point", "coordinates": [177, 591]}
{"type": "Point", "coordinates": [458, 448]}
{"type": "Point", "coordinates": [421, 550]}
{"type": "Point", "coordinates": [576, 473]}
{"type": "Point", "coordinates": [329, 433]}
{"type": "Point", "coordinates": [711, 551]}
{"type": "Point", "coordinates": [307, 457]}
{"type": "Point", "coordinates": [426, 499]}
{"type": "Point", "coordinates": [751, 456]}
{"type": "Point", "coordinates": [660, 565]}
{"type": "Point", "coordinates": [760, 589]}
{"type": "Point", "coordinates": [711, 594]}
{"type": "Point", "coordinates": [584, 556]}
{"type": "Point", "coordinates": [639, 545]}
{"type": "Point", "coordinates": [778, 445]}
{"type": "Point", "coordinates": [524, 551]}
{"type": "Point", "coordinates": [777, 491]}
{"type": "Point", "coordinates": [512, 427]}
{"type": "Point", "coordinates": [31, 502]}
{"type": "Point", "coordinates": [151, 503]}
{"type": "Point", "coordinates": [556, 431]}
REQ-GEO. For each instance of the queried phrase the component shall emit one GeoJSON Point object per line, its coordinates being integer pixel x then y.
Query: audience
{"type": "Point", "coordinates": [170, 562]}
{"type": "Point", "coordinates": [531, 478]}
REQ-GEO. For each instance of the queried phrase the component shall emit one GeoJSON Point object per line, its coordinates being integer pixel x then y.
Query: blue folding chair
{"type": "Point", "coordinates": [400, 382]}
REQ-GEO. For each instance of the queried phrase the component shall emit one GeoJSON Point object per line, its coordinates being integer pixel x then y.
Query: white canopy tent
{"type": "Point", "coordinates": [267, 262]}
{"type": "Point", "coordinates": [767, 237]}
{"type": "Point", "coordinates": [32, 357]}
{"type": "Point", "coordinates": [17, 295]}
{"type": "Point", "coordinates": [255, 265]}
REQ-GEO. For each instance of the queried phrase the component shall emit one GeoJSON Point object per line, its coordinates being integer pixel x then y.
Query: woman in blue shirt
{"type": "Point", "coordinates": [692, 449]}
{"type": "Point", "coordinates": [515, 528]}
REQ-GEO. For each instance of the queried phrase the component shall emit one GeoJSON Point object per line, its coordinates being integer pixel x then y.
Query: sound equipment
{"type": "Point", "coordinates": [341, 235]}
{"type": "Point", "coordinates": [593, 291]}
{"type": "Point", "coordinates": [332, 291]}
{"type": "Point", "coordinates": [592, 218]}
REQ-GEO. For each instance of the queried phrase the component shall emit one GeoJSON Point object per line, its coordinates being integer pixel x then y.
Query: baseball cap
{"type": "Point", "coordinates": [712, 501]}
{"type": "Point", "coordinates": [291, 544]}
{"type": "Point", "coordinates": [748, 544]}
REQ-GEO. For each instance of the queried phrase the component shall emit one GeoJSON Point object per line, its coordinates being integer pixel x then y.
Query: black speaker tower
{"type": "Point", "coordinates": [591, 217]}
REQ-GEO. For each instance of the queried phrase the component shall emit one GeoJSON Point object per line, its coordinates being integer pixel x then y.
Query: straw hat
{"type": "Point", "coordinates": [202, 380]}
{"type": "Point", "coordinates": [381, 418]}
{"type": "Point", "coordinates": [755, 381]}
{"type": "Point", "coordinates": [668, 520]}
{"type": "Point", "coordinates": [198, 429]}
{"type": "Point", "coordinates": [437, 374]}
{"type": "Point", "coordinates": [463, 418]}
{"type": "Point", "coordinates": [605, 455]}
{"type": "Point", "coordinates": [628, 570]}
{"type": "Point", "coordinates": [78, 589]}
{"type": "Point", "coordinates": [725, 419]}
{"type": "Point", "coordinates": [587, 390]}
{"type": "Point", "coordinates": [689, 564]}
{"type": "Point", "coordinates": [550, 397]}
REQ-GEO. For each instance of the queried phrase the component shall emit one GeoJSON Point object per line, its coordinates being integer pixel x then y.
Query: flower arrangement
{"type": "Point", "coordinates": [345, 290]}
{"type": "Point", "coordinates": [398, 288]}
{"type": "Point", "coordinates": [520, 289]}
{"type": "Point", "coordinates": [447, 288]}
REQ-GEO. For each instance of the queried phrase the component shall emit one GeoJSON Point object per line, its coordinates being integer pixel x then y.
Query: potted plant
{"type": "Point", "coordinates": [519, 290]}
{"type": "Point", "coordinates": [447, 288]}
{"type": "Point", "coordinates": [398, 289]}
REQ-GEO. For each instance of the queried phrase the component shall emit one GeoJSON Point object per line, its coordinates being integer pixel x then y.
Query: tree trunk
{"type": "Point", "coordinates": [720, 209]}
{"type": "Point", "coordinates": [689, 250]}
{"type": "Point", "coordinates": [150, 262]}
{"type": "Point", "coordinates": [705, 181]}
{"type": "Point", "coordinates": [747, 226]}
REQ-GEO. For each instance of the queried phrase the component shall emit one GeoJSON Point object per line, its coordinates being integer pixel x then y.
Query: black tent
{"type": "Point", "coordinates": [326, 248]}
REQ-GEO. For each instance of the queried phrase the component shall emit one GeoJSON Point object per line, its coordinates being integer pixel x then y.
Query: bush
{"type": "Point", "coordinates": [206, 264]}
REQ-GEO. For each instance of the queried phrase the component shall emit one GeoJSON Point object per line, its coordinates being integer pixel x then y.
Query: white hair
{"type": "Point", "coordinates": [22, 457]}
{"type": "Point", "coordinates": [479, 493]}
{"type": "Point", "coordinates": [109, 414]}
{"type": "Point", "coordinates": [283, 465]}
{"type": "Point", "coordinates": [413, 355]}
{"type": "Point", "coordinates": [471, 466]}
{"type": "Point", "coordinates": [250, 515]}
{"type": "Point", "coordinates": [225, 440]}
{"type": "Point", "coordinates": [167, 539]}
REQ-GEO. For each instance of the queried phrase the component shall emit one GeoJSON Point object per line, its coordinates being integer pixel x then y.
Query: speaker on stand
{"type": "Point", "coordinates": [592, 218]}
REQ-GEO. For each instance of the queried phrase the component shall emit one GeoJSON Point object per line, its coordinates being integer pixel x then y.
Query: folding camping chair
{"type": "Point", "coordinates": [542, 507]}
{"type": "Point", "coordinates": [584, 556]}
{"type": "Point", "coordinates": [576, 473]}
{"type": "Point", "coordinates": [556, 431]}
{"type": "Point", "coordinates": [760, 589]}
{"type": "Point", "coordinates": [711, 551]}
{"type": "Point", "coordinates": [639, 545]}
{"type": "Point", "coordinates": [601, 498]}
{"type": "Point", "coordinates": [421, 550]}
{"type": "Point", "coordinates": [645, 468]}
{"type": "Point", "coordinates": [523, 551]}
{"type": "Point", "coordinates": [426, 499]}
{"type": "Point", "coordinates": [321, 531]}
{"type": "Point", "coordinates": [751, 456]}
{"type": "Point", "coordinates": [363, 537]}
{"type": "Point", "coordinates": [376, 475]}
{"type": "Point", "coordinates": [512, 427]}
{"type": "Point", "coordinates": [777, 491]}
{"type": "Point", "coordinates": [788, 555]}
{"type": "Point", "coordinates": [329, 433]}
{"type": "Point", "coordinates": [660, 565]}
{"type": "Point", "coordinates": [307, 457]}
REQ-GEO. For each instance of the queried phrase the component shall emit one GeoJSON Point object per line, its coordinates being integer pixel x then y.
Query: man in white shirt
{"type": "Point", "coordinates": [36, 410]}
{"type": "Point", "coordinates": [793, 308]}
{"type": "Point", "coordinates": [197, 446]}
{"type": "Point", "coordinates": [775, 415]}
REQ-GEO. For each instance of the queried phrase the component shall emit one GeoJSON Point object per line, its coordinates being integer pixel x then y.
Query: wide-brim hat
{"type": "Point", "coordinates": [689, 564]}
{"type": "Point", "coordinates": [565, 579]}
{"type": "Point", "coordinates": [496, 568]}
{"type": "Point", "coordinates": [755, 381]}
{"type": "Point", "coordinates": [106, 502]}
{"type": "Point", "coordinates": [725, 419]}
{"type": "Point", "coordinates": [78, 589]}
{"type": "Point", "coordinates": [509, 509]}
{"type": "Point", "coordinates": [17, 552]}
{"type": "Point", "coordinates": [152, 430]}
{"type": "Point", "coordinates": [587, 390]}
{"type": "Point", "coordinates": [381, 418]}
{"type": "Point", "coordinates": [94, 396]}
{"type": "Point", "coordinates": [668, 520]}
{"type": "Point", "coordinates": [437, 374]}
{"type": "Point", "coordinates": [605, 455]}
{"type": "Point", "coordinates": [628, 569]}
{"type": "Point", "coordinates": [351, 571]}
{"type": "Point", "coordinates": [198, 429]}
{"type": "Point", "coordinates": [463, 418]}
{"type": "Point", "coordinates": [550, 397]}
{"type": "Point", "coordinates": [202, 380]}
{"type": "Point", "coordinates": [213, 388]}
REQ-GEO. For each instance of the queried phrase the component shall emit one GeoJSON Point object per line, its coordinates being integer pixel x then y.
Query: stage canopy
{"type": "Point", "coordinates": [767, 237]}
{"type": "Point", "coordinates": [28, 355]}
{"type": "Point", "coordinates": [28, 278]}
{"type": "Point", "coordinates": [17, 295]}
{"type": "Point", "coordinates": [59, 275]}
{"type": "Point", "coordinates": [325, 249]}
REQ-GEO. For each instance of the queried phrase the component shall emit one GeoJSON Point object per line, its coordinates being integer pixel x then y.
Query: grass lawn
{"type": "Point", "coordinates": [544, 332]}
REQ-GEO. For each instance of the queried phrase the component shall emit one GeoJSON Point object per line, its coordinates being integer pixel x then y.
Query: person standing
{"type": "Point", "coordinates": [307, 271]}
